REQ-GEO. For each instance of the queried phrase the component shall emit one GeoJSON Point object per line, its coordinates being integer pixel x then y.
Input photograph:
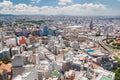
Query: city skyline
{"type": "Point", "coordinates": [61, 7]}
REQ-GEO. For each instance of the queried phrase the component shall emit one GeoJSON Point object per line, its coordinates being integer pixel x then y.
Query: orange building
{"type": "Point", "coordinates": [22, 40]}
{"type": "Point", "coordinates": [32, 38]}
{"type": "Point", "coordinates": [5, 69]}
{"type": "Point", "coordinates": [95, 66]}
{"type": "Point", "coordinates": [118, 40]}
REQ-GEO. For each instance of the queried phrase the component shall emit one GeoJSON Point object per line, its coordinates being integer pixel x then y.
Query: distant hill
{"type": "Point", "coordinates": [6, 15]}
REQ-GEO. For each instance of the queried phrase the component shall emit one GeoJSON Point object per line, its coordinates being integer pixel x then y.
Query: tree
{"type": "Point", "coordinates": [117, 74]}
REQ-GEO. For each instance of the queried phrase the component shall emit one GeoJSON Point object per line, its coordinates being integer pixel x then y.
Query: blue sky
{"type": "Point", "coordinates": [56, 7]}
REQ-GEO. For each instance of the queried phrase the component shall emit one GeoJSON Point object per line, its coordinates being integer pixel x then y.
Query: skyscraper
{"type": "Point", "coordinates": [91, 25]}
{"type": "Point", "coordinates": [44, 30]}
{"type": "Point", "coordinates": [106, 30]}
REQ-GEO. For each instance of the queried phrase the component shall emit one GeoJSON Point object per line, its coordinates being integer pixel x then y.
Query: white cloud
{"type": "Point", "coordinates": [79, 9]}
{"type": "Point", "coordinates": [6, 3]}
{"type": "Point", "coordinates": [64, 2]}
{"type": "Point", "coordinates": [9, 8]}
{"type": "Point", "coordinates": [25, 9]}
{"type": "Point", "coordinates": [35, 1]}
{"type": "Point", "coordinates": [86, 9]}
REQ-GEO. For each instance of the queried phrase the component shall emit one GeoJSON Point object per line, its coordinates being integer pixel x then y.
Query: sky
{"type": "Point", "coordinates": [61, 7]}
